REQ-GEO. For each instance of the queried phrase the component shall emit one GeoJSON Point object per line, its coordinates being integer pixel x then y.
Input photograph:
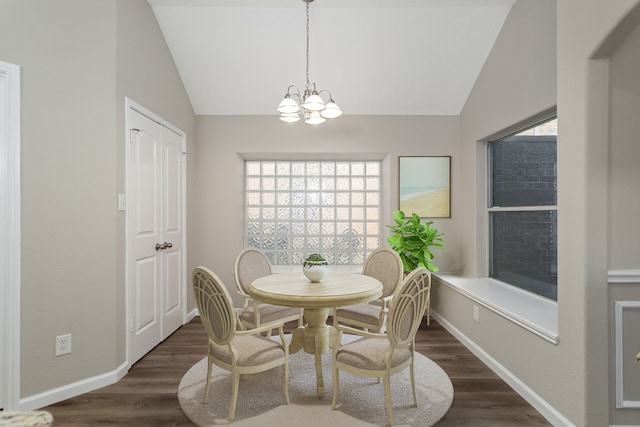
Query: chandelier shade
{"type": "Point", "coordinates": [315, 109]}
{"type": "Point", "coordinates": [331, 110]}
{"type": "Point", "coordinates": [288, 105]}
{"type": "Point", "coordinates": [289, 117]}
{"type": "Point", "coordinates": [313, 102]}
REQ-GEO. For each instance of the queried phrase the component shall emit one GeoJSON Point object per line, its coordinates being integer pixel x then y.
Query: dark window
{"type": "Point", "coordinates": [523, 211]}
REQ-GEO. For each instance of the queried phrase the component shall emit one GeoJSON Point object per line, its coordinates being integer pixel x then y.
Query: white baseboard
{"type": "Point", "coordinates": [68, 391]}
{"type": "Point", "coordinates": [190, 315]}
{"type": "Point", "coordinates": [71, 390]}
{"type": "Point", "coordinates": [549, 412]}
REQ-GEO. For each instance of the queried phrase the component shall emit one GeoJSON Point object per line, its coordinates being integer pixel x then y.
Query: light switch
{"type": "Point", "coordinates": [122, 202]}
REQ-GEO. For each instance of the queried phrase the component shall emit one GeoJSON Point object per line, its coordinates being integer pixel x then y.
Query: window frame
{"type": "Point", "coordinates": [364, 158]}
{"type": "Point", "coordinates": [544, 117]}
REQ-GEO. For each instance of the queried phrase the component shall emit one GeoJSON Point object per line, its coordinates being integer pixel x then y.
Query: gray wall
{"type": "Point", "coordinates": [624, 209]}
{"type": "Point", "coordinates": [223, 139]}
{"type": "Point", "coordinates": [147, 74]}
{"type": "Point", "coordinates": [68, 175]}
{"type": "Point", "coordinates": [584, 104]}
{"type": "Point", "coordinates": [518, 82]}
{"type": "Point", "coordinates": [77, 65]}
{"type": "Point", "coordinates": [79, 59]}
{"type": "Point", "coordinates": [624, 152]}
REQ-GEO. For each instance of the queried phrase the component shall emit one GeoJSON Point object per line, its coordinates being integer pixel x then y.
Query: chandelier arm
{"type": "Point", "coordinates": [296, 93]}
{"type": "Point", "coordinates": [326, 90]}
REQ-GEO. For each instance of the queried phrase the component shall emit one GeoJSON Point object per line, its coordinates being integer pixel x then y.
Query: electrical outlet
{"type": "Point", "coordinates": [63, 344]}
{"type": "Point", "coordinates": [476, 314]}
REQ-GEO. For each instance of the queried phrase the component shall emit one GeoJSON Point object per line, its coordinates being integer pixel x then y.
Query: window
{"type": "Point", "coordinates": [523, 211]}
{"type": "Point", "coordinates": [295, 208]}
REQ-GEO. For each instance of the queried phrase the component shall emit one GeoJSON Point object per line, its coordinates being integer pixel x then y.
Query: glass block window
{"type": "Point", "coordinates": [523, 209]}
{"type": "Point", "coordinates": [296, 208]}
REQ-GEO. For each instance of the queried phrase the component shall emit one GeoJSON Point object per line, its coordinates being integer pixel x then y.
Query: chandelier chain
{"type": "Point", "coordinates": [315, 110]}
{"type": "Point", "coordinates": [308, 1]}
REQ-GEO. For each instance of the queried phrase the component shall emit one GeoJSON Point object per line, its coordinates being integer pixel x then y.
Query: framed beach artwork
{"type": "Point", "coordinates": [425, 184]}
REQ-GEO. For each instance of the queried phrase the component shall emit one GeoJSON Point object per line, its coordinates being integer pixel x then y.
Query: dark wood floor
{"type": "Point", "coordinates": [146, 396]}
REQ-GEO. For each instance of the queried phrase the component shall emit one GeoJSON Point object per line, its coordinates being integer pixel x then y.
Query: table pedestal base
{"type": "Point", "coordinates": [315, 338]}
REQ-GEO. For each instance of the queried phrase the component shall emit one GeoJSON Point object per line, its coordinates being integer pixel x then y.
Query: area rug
{"type": "Point", "coordinates": [360, 400]}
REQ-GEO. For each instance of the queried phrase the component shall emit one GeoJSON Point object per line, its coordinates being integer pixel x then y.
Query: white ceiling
{"type": "Point", "coordinates": [407, 57]}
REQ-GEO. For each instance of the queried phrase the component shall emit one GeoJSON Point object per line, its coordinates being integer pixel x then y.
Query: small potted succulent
{"type": "Point", "coordinates": [315, 267]}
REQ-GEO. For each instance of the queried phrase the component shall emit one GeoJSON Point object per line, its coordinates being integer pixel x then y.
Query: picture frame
{"type": "Point", "coordinates": [424, 186]}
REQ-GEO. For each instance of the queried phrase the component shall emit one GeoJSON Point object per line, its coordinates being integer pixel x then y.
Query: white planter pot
{"type": "Point", "coordinates": [315, 272]}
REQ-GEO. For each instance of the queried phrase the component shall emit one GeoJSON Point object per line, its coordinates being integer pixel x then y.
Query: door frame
{"type": "Point", "coordinates": [131, 105]}
{"type": "Point", "coordinates": [10, 258]}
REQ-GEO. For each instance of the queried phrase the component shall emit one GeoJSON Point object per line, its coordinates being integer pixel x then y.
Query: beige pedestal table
{"type": "Point", "coordinates": [295, 290]}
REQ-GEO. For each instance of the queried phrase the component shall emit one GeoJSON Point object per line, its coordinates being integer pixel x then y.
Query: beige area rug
{"type": "Point", "coordinates": [360, 400]}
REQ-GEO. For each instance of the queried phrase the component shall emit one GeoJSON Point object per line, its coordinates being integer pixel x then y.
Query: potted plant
{"type": "Point", "coordinates": [315, 267]}
{"type": "Point", "coordinates": [413, 241]}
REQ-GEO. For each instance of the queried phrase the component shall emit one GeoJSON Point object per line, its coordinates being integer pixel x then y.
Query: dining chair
{"type": "Point", "coordinates": [252, 264]}
{"type": "Point", "coordinates": [385, 265]}
{"type": "Point", "coordinates": [381, 355]}
{"type": "Point", "coordinates": [237, 351]}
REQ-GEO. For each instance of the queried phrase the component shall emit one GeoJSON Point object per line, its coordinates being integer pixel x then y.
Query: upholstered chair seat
{"type": "Point", "coordinates": [385, 265]}
{"type": "Point", "coordinates": [368, 314]}
{"type": "Point", "coordinates": [257, 314]}
{"type": "Point", "coordinates": [251, 350]}
{"type": "Point", "coordinates": [368, 354]}
{"type": "Point", "coordinates": [252, 264]}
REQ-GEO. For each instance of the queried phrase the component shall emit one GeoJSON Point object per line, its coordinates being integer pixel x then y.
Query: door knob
{"type": "Point", "coordinates": [159, 246]}
{"type": "Point", "coordinates": [168, 245]}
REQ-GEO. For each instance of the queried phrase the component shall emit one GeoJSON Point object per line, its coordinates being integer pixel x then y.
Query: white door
{"type": "Point", "coordinates": [156, 230]}
{"type": "Point", "coordinates": [172, 232]}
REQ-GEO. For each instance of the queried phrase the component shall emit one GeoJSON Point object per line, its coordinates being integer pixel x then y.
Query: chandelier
{"type": "Point", "coordinates": [314, 108]}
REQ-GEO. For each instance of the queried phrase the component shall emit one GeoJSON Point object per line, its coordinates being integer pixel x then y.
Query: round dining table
{"type": "Point", "coordinates": [316, 298]}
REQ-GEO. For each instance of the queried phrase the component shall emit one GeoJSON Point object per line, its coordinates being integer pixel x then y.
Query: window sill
{"type": "Point", "coordinates": [536, 314]}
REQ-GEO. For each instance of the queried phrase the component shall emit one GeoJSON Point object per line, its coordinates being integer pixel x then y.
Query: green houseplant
{"type": "Point", "coordinates": [413, 241]}
{"type": "Point", "coordinates": [314, 259]}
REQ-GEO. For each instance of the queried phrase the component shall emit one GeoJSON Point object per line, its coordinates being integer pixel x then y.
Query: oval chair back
{"type": "Point", "coordinates": [385, 265]}
{"type": "Point", "coordinates": [240, 352]}
{"type": "Point", "coordinates": [382, 355]}
{"type": "Point", "coordinates": [215, 306]}
{"type": "Point", "coordinates": [251, 264]}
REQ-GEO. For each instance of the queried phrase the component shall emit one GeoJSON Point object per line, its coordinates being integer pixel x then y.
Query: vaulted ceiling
{"type": "Point", "coordinates": [396, 57]}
